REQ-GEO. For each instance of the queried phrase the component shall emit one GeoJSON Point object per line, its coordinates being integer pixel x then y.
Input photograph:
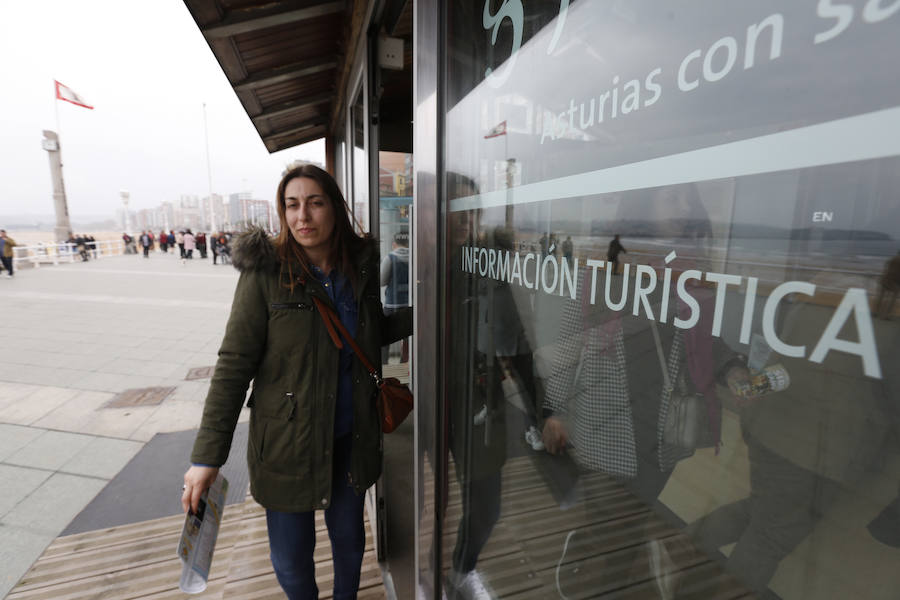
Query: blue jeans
{"type": "Point", "coordinates": [292, 538]}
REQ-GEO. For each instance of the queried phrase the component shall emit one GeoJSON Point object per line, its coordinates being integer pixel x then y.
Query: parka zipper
{"type": "Point", "coordinates": [291, 306]}
{"type": "Point", "coordinates": [290, 397]}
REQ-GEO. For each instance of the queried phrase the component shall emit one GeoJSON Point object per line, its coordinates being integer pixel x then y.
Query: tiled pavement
{"type": "Point", "coordinates": [71, 338]}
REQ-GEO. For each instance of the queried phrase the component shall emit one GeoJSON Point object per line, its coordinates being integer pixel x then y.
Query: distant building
{"type": "Point", "coordinates": [168, 216]}
{"type": "Point", "coordinates": [148, 218]}
{"type": "Point", "coordinates": [395, 174]}
{"type": "Point", "coordinates": [191, 214]}
{"type": "Point", "coordinates": [237, 209]}
{"type": "Point", "coordinates": [244, 210]}
{"type": "Point", "coordinates": [214, 207]}
{"type": "Point", "coordinates": [260, 213]}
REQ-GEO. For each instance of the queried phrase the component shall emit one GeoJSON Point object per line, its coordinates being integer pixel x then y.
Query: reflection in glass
{"type": "Point", "coordinates": [716, 393]}
{"type": "Point", "coordinates": [486, 318]}
{"type": "Point", "coordinates": [395, 198]}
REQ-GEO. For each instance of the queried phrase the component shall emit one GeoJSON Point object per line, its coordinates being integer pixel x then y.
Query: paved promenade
{"type": "Point", "coordinates": [74, 337]}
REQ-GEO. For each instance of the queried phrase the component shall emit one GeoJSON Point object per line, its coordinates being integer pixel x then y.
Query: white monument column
{"type": "Point", "coordinates": [63, 229]}
{"type": "Point", "coordinates": [125, 196]}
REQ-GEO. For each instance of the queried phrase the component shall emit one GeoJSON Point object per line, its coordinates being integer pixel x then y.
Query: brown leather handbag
{"type": "Point", "coordinates": [394, 401]}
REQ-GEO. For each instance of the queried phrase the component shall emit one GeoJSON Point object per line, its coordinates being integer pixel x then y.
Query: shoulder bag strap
{"type": "Point", "coordinates": [659, 354]}
{"type": "Point", "coordinates": [326, 315]}
{"type": "Point", "coordinates": [332, 321]}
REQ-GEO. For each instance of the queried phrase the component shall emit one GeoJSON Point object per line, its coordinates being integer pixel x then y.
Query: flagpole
{"type": "Point", "coordinates": [56, 107]}
{"type": "Point", "coordinates": [212, 208]}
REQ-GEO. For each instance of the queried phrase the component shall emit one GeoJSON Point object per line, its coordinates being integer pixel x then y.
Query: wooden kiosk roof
{"type": "Point", "coordinates": [287, 61]}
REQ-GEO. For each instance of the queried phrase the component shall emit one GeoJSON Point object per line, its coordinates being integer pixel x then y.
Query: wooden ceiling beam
{"type": "Point", "coordinates": [300, 128]}
{"type": "Point", "coordinates": [238, 23]}
{"type": "Point", "coordinates": [286, 73]}
{"type": "Point", "coordinates": [294, 105]}
{"type": "Point", "coordinates": [313, 133]}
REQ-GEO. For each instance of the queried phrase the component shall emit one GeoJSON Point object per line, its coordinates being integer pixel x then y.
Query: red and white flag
{"type": "Point", "coordinates": [499, 129]}
{"type": "Point", "coordinates": [69, 95]}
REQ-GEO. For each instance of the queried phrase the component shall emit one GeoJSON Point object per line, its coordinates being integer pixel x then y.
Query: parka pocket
{"type": "Point", "coordinates": [257, 438]}
{"type": "Point", "coordinates": [291, 325]}
{"type": "Point", "coordinates": [279, 435]}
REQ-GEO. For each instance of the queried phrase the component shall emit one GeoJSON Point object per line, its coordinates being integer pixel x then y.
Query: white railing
{"type": "Point", "coordinates": [37, 254]}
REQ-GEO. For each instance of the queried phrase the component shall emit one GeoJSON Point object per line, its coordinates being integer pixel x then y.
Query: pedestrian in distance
{"type": "Point", "coordinates": [128, 241]}
{"type": "Point", "coordinates": [81, 245]}
{"type": "Point", "coordinates": [888, 288]}
{"type": "Point", "coordinates": [612, 255]}
{"type": "Point", "coordinates": [567, 248]}
{"type": "Point", "coordinates": [6, 252]}
{"type": "Point", "coordinates": [201, 243]}
{"type": "Point", "coordinates": [163, 241]}
{"type": "Point", "coordinates": [212, 246]}
{"type": "Point", "coordinates": [146, 242]}
{"type": "Point", "coordinates": [395, 276]}
{"type": "Point", "coordinates": [179, 239]}
{"type": "Point", "coordinates": [223, 249]}
{"type": "Point", "coordinates": [315, 434]}
{"type": "Point", "coordinates": [190, 244]}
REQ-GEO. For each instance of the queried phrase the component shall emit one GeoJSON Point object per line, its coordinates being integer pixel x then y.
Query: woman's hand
{"type": "Point", "coordinates": [554, 435]}
{"type": "Point", "coordinates": [196, 481]}
{"type": "Point", "coordinates": [739, 375]}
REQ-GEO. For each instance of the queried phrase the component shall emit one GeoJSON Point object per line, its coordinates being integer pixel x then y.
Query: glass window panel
{"type": "Point", "coordinates": [395, 206]}
{"type": "Point", "coordinates": [672, 248]}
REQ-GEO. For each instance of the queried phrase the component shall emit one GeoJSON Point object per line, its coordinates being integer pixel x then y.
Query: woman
{"type": "Point", "coordinates": [315, 437]}
{"type": "Point", "coordinates": [190, 244]}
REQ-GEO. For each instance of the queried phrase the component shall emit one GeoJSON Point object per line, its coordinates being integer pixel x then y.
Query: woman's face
{"type": "Point", "coordinates": [309, 215]}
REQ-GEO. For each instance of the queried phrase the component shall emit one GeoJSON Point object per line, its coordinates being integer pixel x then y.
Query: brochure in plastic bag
{"type": "Point", "coordinates": [198, 537]}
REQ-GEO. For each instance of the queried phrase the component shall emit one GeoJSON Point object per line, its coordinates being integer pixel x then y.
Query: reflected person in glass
{"type": "Point", "coordinates": [607, 396]}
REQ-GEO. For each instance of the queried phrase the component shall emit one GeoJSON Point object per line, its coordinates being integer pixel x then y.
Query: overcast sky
{"type": "Point", "coordinates": [147, 71]}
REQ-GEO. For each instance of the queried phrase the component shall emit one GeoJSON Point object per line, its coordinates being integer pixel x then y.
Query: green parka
{"type": "Point", "coordinates": [276, 338]}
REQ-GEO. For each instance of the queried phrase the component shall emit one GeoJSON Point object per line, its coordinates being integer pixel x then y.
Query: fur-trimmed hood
{"type": "Point", "coordinates": [254, 250]}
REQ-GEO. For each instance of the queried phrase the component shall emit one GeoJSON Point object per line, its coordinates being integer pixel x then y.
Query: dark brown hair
{"type": "Point", "coordinates": [345, 242]}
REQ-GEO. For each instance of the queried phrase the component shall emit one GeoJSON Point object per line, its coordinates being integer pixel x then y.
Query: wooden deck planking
{"type": "Point", "coordinates": [138, 561]}
{"type": "Point", "coordinates": [607, 555]}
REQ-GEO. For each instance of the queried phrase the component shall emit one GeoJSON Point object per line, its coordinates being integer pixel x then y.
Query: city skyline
{"type": "Point", "coordinates": [233, 211]}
